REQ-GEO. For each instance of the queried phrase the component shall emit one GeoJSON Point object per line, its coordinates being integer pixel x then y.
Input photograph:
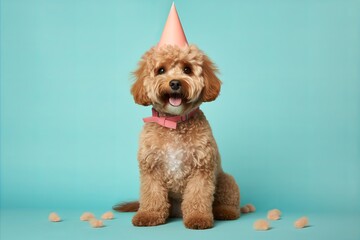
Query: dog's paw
{"type": "Point", "coordinates": [148, 219]}
{"type": "Point", "coordinates": [224, 212]}
{"type": "Point", "coordinates": [199, 221]}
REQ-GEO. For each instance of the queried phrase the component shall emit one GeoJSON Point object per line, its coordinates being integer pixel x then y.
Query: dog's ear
{"type": "Point", "coordinates": [212, 82]}
{"type": "Point", "coordinates": [138, 88]}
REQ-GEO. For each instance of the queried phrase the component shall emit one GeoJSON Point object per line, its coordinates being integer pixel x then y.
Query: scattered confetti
{"type": "Point", "coordinates": [301, 222]}
{"type": "Point", "coordinates": [261, 225]}
{"type": "Point", "coordinates": [86, 216]}
{"type": "Point", "coordinates": [53, 217]}
{"type": "Point", "coordinates": [108, 216]}
{"type": "Point", "coordinates": [96, 223]}
{"type": "Point", "coordinates": [274, 214]}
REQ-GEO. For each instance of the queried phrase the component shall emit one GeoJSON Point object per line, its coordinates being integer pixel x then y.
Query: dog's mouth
{"type": "Point", "coordinates": [174, 99]}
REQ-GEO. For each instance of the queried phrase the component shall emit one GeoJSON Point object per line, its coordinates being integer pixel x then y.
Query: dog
{"type": "Point", "coordinates": [179, 161]}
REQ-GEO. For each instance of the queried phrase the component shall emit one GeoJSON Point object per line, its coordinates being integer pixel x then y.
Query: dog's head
{"type": "Point", "coordinates": [175, 80]}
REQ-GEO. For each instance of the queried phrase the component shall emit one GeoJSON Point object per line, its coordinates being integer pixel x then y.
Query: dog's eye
{"type": "Point", "coordinates": [187, 70]}
{"type": "Point", "coordinates": [161, 71]}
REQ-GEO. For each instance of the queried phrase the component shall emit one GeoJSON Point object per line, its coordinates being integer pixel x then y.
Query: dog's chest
{"type": "Point", "coordinates": [176, 167]}
{"type": "Point", "coordinates": [174, 162]}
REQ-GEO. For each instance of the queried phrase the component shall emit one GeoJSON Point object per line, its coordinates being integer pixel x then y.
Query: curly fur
{"type": "Point", "coordinates": [180, 169]}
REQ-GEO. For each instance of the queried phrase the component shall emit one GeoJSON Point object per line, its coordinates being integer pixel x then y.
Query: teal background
{"type": "Point", "coordinates": [287, 121]}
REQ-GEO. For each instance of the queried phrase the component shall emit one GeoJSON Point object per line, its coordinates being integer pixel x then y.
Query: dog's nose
{"type": "Point", "coordinates": [175, 84]}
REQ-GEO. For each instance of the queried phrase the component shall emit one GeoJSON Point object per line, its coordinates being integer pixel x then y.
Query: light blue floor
{"type": "Point", "coordinates": [33, 224]}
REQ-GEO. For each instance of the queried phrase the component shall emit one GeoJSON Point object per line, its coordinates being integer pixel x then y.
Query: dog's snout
{"type": "Point", "coordinates": [175, 84]}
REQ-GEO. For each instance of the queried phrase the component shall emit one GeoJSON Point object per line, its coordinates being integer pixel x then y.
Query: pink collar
{"type": "Point", "coordinates": [169, 122]}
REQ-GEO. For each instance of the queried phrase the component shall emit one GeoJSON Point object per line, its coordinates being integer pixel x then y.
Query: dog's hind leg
{"type": "Point", "coordinates": [226, 204]}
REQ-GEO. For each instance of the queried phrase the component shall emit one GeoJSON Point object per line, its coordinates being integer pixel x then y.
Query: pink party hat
{"type": "Point", "coordinates": [173, 33]}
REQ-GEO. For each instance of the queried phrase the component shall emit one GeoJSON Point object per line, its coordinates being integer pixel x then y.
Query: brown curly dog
{"type": "Point", "coordinates": [180, 166]}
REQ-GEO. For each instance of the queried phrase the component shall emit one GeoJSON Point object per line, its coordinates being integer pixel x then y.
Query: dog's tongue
{"type": "Point", "coordinates": [175, 101]}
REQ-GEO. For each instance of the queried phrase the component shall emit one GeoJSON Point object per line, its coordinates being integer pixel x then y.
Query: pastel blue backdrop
{"type": "Point", "coordinates": [287, 121]}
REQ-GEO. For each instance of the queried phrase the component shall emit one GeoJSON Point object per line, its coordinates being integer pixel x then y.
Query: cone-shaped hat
{"type": "Point", "coordinates": [173, 33]}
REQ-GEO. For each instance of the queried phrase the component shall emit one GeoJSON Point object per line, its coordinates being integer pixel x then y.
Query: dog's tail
{"type": "Point", "coordinates": [127, 206]}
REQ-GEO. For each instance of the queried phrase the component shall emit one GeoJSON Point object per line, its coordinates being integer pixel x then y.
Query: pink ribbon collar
{"type": "Point", "coordinates": [169, 122]}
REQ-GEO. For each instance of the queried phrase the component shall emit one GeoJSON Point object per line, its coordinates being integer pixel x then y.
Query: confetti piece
{"type": "Point", "coordinates": [261, 225]}
{"type": "Point", "coordinates": [86, 216]}
{"type": "Point", "coordinates": [301, 222]}
{"type": "Point", "coordinates": [96, 223]}
{"type": "Point", "coordinates": [107, 216]}
{"type": "Point", "coordinates": [53, 217]}
{"type": "Point", "coordinates": [245, 209]}
{"type": "Point", "coordinates": [251, 207]}
{"type": "Point", "coordinates": [274, 214]}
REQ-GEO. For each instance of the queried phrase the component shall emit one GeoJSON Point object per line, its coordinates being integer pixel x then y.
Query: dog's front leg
{"type": "Point", "coordinates": [154, 205]}
{"type": "Point", "coordinates": [198, 199]}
